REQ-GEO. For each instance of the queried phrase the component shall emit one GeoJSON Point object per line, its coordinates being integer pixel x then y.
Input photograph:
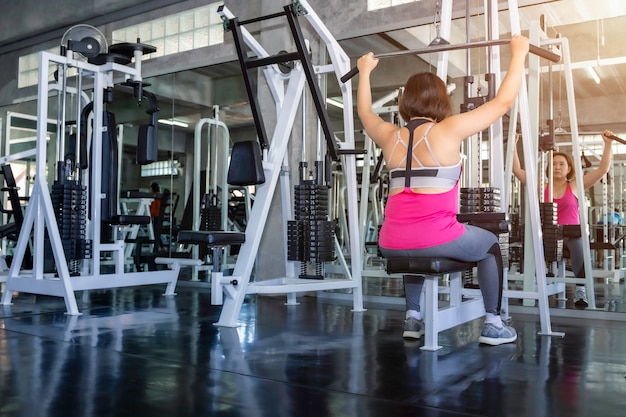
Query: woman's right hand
{"type": "Point", "coordinates": [606, 136]}
{"type": "Point", "coordinates": [367, 63]}
{"type": "Point", "coordinates": [519, 45]}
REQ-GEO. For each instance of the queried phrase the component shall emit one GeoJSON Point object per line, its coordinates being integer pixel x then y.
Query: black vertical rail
{"type": "Point", "coordinates": [315, 90]}
{"type": "Point", "coordinates": [302, 55]}
{"type": "Point", "coordinates": [233, 24]}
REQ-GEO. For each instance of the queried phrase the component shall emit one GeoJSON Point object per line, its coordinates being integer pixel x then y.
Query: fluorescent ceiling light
{"type": "Point", "coordinates": [173, 122]}
{"type": "Point", "coordinates": [593, 75]}
{"type": "Point", "coordinates": [334, 102]}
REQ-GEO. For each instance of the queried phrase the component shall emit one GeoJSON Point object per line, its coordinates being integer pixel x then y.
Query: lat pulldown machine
{"type": "Point", "coordinates": [287, 91]}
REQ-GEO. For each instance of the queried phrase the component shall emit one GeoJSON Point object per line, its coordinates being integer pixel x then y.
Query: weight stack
{"type": "Point", "coordinates": [481, 207]}
{"type": "Point", "coordinates": [311, 236]}
{"type": "Point", "coordinates": [210, 214]}
{"type": "Point", "coordinates": [516, 227]}
{"type": "Point", "coordinates": [480, 200]}
{"type": "Point", "coordinates": [552, 232]}
{"type": "Point", "coordinates": [69, 201]}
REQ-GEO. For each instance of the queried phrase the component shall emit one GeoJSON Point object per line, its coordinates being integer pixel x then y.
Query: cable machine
{"type": "Point", "coordinates": [287, 90]}
{"type": "Point", "coordinates": [531, 148]}
{"type": "Point", "coordinates": [65, 229]}
{"type": "Point", "coordinates": [497, 146]}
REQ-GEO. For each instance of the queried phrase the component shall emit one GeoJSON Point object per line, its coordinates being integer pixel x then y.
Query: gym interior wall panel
{"type": "Point", "coordinates": [33, 18]}
{"type": "Point", "coordinates": [588, 115]}
{"type": "Point", "coordinates": [347, 19]}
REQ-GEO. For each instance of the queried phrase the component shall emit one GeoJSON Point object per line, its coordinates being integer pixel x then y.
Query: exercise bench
{"type": "Point", "coordinates": [246, 168]}
{"type": "Point", "coordinates": [217, 241]}
{"type": "Point", "coordinates": [458, 311]}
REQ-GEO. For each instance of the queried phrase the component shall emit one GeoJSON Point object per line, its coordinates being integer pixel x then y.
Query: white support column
{"type": "Point", "coordinates": [531, 188]}
{"type": "Point", "coordinates": [496, 142]}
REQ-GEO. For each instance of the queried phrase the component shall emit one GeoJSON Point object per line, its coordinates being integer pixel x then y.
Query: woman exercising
{"type": "Point", "coordinates": [420, 215]}
{"type": "Point", "coordinates": [564, 195]}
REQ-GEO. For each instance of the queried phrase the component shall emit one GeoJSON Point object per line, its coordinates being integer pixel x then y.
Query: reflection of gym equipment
{"type": "Point", "coordinates": [78, 266]}
{"type": "Point", "coordinates": [14, 215]}
{"type": "Point", "coordinates": [534, 260]}
{"type": "Point", "coordinates": [51, 357]}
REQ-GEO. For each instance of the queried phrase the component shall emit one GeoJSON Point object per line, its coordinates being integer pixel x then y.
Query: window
{"type": "Point", "coordinates": [160, 168]}
{"type": "Point", "coordinates": [28, 68]}
{"type": "Point", "coordinates": [180, 32]}
{"type": "Point", "coordinates": [184, 31]}
{"type": "Point", "coordinates": [381, 4]}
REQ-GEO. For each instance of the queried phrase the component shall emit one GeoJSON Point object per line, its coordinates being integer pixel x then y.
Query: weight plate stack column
{"type": "Point", "coordinates": [552, 232]}
{"type": "Point", "coordinates": [311, 236]}
{"type": "Point", "coordinates": [69, 201]}
{"type": "Point", "coordinates": [481, 207]}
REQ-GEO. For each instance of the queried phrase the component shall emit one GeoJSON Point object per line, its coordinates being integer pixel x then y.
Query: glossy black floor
{"type": "Point", "coordinates": [135, 353]}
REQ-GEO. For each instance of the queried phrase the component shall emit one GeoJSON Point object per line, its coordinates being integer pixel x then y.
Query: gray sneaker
{"type": "Point", "coordinates": [413, 328]}
{"type": "Point", "coordinates": [580, 297]}
{"type": "Point", "coordinates": [492, 335]}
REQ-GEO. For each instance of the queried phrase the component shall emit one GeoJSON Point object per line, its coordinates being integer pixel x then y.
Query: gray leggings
{"type": "Point", "coordinates": [475, 245]}
{"type": "Point", "coordinates": [575, 247]}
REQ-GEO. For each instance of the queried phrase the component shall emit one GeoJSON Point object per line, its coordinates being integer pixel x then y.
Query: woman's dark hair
{"type": "Point", "coordinates": [570, 163]}
{"type": "Point", "coordinates": [425, 95]}
{"type": "Point", "coordinates": [155, 187]}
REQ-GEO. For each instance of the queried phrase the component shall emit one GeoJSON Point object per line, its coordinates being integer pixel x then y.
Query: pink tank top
{"type": "Point", "coordinates": [567, 207]}
{"type": "Point", "coordinates": [415, 221]}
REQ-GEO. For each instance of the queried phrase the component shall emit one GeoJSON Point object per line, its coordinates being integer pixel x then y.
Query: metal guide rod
{"type": "Point", "coordinates": [551, 56]}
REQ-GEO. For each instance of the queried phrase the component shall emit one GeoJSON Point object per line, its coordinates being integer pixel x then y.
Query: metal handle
{"type": "Point", "coordinates": [551, 56]}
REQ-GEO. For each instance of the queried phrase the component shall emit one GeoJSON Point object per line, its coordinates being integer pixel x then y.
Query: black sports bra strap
{"type": "Point", "coordinates": [411, 125]}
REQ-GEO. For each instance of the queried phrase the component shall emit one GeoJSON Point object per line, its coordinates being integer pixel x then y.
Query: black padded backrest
{"type": "Point", "coordinates": [246, 164]}
{"type": "Point", "coordinates": [147, 145]}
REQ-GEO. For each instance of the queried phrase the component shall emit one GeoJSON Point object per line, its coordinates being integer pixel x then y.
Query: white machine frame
{"type": "Point", "coordinates": [39, 216]}
{"type": "Point", "coordinates": [287, 102]}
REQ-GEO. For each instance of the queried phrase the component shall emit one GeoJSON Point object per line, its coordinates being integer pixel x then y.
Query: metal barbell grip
{"type": "Point", "coordinates": [617, 139]}
{"type": "Point", "coordinates": [551, 56]}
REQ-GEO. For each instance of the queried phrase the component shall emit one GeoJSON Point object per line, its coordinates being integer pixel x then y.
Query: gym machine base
{"type": "Point", "coordinates": [40, 221]}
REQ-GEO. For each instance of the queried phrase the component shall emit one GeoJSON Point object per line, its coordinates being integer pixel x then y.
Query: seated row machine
{"type": "Point", "coordinates": [246, 168]}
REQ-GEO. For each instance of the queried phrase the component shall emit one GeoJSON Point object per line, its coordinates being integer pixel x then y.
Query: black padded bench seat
{"type": "Point", "coordinates": [126, 220]}
{"type": "Point", "coordinates": [211, 237]}
{"type": "Point", "coordinates": [426, 266]}
{"type": "Point", "coordinates": [459, 309]}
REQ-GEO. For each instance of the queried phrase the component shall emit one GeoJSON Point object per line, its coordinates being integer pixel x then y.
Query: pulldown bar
{"type": "Point", "coordinates": [551, 56]}
{"type": "Point", "coordinates": [617, 139]}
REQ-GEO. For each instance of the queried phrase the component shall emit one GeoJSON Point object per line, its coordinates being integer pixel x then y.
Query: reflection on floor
{"type": "Point", "coordinates": [136, 353]}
